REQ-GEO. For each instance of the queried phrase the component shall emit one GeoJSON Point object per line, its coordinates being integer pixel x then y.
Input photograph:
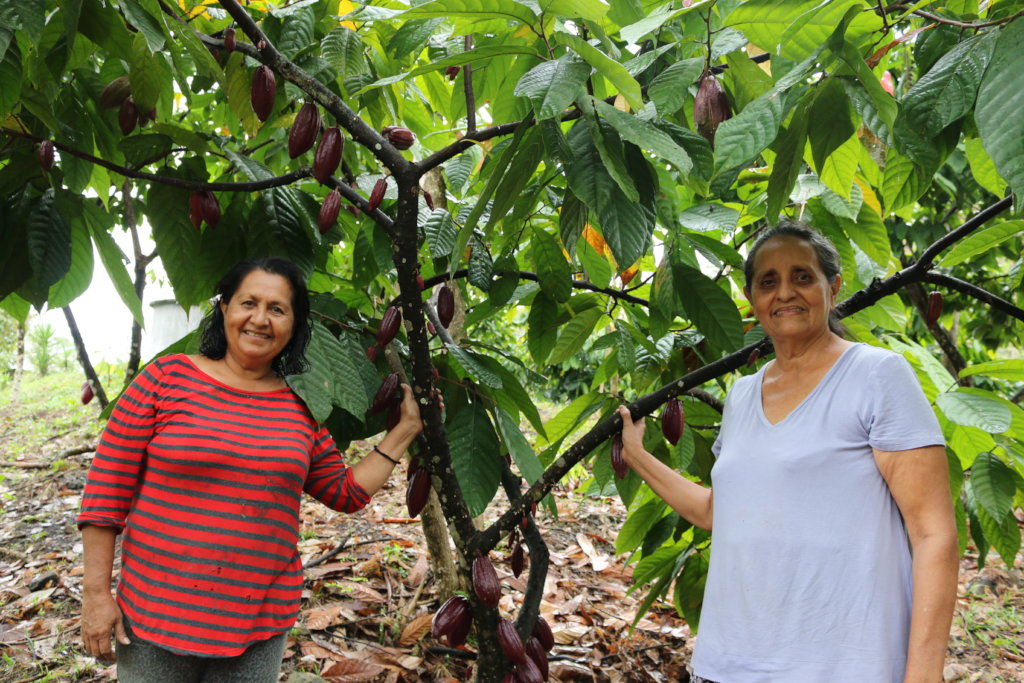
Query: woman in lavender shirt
{"type": "Point", "coordinates": [834, 552]}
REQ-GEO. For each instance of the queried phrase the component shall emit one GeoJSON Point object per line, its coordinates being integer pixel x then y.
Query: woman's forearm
{"type": "Point", "coordinates": [97, 558]}
{"type": "Point", "coordinates": [935, 570]}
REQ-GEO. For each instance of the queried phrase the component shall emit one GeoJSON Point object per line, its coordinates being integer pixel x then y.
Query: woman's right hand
{"type": "Point", "coordinates": [100, 617]}
{"type": "Point", "coordinates": [632, 436]}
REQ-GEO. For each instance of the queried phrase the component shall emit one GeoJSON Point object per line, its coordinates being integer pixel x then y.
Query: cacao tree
{"type": "Point", "coordinates": [534, 186]}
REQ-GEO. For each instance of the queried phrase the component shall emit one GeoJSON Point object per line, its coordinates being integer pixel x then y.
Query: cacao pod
{"type": "Point", "coordinates": [755, 353]}
{"type": "Point", "coordinates": [328, 215]}
{"type": "Point", "coordinates": [385, 395]}
{"type": "Point", "coordinates": [414, 464]}
{"type": "Point", "coordinates": [195, 209]}
{"type": "Point", "coordinates": [672, 419]}
{"type": "Point", "coordinates": [536, 652]}
{"type": "Point", "coordinates": [454, 614]}
{"type": "Point", "coordinates": [542, 632]}
{"type": "Point", "coordinates": [211, 209]}
{"type": "Point", "coordinates": [417, 491]}
{"type": "Point", "coordinates": [419, 282]}
{"type": "Point", "coordinates": [394, 417]}
{"type": "Point", "coordinates": [618, 462]}
{"type": "Point", "coordinates": [445, 306]}
{"type": "Point", "coordinates": [934, 308]}
{"type": "Point", "coordinates": [264, 90]}
{"type": "Point", "coordinates": [389, 326]}
{"type": "Point", "coordinates": [429, 200]}
{"type": "Point", "coordinates": [710, 107]}
{"type": "Point", "coordinates": [371, 353]}
{"type": "Point", "coordinates": [328, 154]}
{"type": "Point", "coordinates": [229, 39]}
{"type": "Point", "coordinates": [510, 677]}
{"type": "Point", "coordinates": [528, 672]}
{"type": "Point", "coordinates": [304, 130]}
{"type": "Point", "coordinates": [116, 92]}
{"type": "Point", "coordinates": [452, 72]}
{"type": "Point", "coordinates": [87, 392]}
{"type": "Point", "coordinates": [431, 329]}
{"type": "Point", "coordinates": [128, 116]}
{"type": "Point", "coordinates": [377, 194]}
{"type": "Point", "coordinates": [517, 559]}
{"type": "Point", "coordinates": [400, 138]}
{"type": "Point", "coordinates": [510, 642]}
{"type": "Point", "coordinates": [45, 155]}
{"type": "Point", "coordinates": [485, 582]}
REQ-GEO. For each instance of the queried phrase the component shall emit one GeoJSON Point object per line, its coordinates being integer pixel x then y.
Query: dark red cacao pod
{"type": "Point", "coordinates": [195, 209]}
{"type": "Point", "coordinates": [389, 325]}
{"type": "Point", "coordinates": [510, 677]}
{"type": "Point", "coordinates": [128, 116]}
{"type": "Point", "coordinates": [385, 395]}
{"type": "Point", "coordinates": [755, 353]}
{"type": "Point", "coordinates": [328, 154]}
{"type": "Point", "coordinates": [211, 208]}
{"type": "Point", "coordinates": [417, 491]}
{"type": "Point", "coordinates": [229, 39]}
{"type": "Point", "coordinates": [445, 306]}
{"type": "Point", "coordinates": [329, 211]}
{"type": "Point", "coordinates": [400, 138]}
{"type": "Point", "coordinates": [542, 632]}
{"type": "Point", "coordinates": [528, 672]}
{"type": "Point", "coordinates": [539, 655]}
{"type": "Point", "coordinates": [377, 194]}
{"type": "Point", "coordinates": [304, 130]}
{"type": "Point", "coordinates": [485, 582]}
{"type": "Point", "coordinates": [87, 392]}
{"type": "Point", "coordinates": [431, 329]}
{"type": "Point", "coordinates": [510, 642]}
{"type": "Point", "coordinates": [419, 282]}
{"type": "Point", "coordinates": [371, 353]}
{"type": "Point", "coordinates": [45, 155]}
{"type": "Point", "coordinates": [394, 416]}
{"type": "Point", "coordinates": [934, 308]}
{"type": "Point", "coordinates": [116, 92]}
{"type": "Point", "coordinates": [452, 72]}
{"type": "Point", "coordinates": [453, 613]}
{"type": "Point", "coordinates": [710, 107]}
{"type": "Point", "coordinates": [264, 89]}
{"type": "Point", "coordinates": [672, 419]}
{"type": "Point", "coordinates": [429, 200]}
{"type": "Point", "coordinates": [414, 464]}
{"type": "Point", "coordinates": [618, 462]}
{"type": "Point", "coordinates": [517, 559]}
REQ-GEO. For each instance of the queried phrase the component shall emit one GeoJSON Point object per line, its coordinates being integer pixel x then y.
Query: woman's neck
{"type": "Point", "coordinates": [806, 353]}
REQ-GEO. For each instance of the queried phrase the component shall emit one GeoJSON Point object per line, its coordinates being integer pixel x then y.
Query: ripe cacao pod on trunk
{"type": "Point", "coordinates": [116, 92]}
{"type": "Point", "coordinates": [934, 308]}
{"type": "Point", "coordinates": [329, 211]}
{"type": "Point", "coordinates": [304, 130]}
{"type": "Point", "coordinates": [618, 462]}
{"type": "Point", "coordinates": [455, 616]}
{"type": "Point", "coordinates": [672, 418]}
{"type": "Point", "coordinates": [710, 107]}
{"type": "Point", "coordinates": [417, 491]}
{"type": "Point", "coordinates": [87, 392]}
{"type": "Point", "coordinates": [328, 154]}
{"type": "Point", "coordinates": [389, 325]}
{"type": "Point", "coordinates": [128, 116]}
{"type": "Point", "coordinates": [485, 582]}
{"type": "Point", "coordinates": [539, 655]}
{"type": "Point", "coordinates": [445, 306]}
{"type": "Point", "coordinates": [510, 642]}
{"type": "Point", "coordinates": [385, 395]}
{"type": "Point", "coordinates": [264, 89]}
{"type": "Point", "coordinates": [542, 632]}
{"type": "Point", "coordinates": [528, 672]}
{"type": "Point", "coordinates": [377, 194]}
{"type": "Point", "coordinates": [45, 155]}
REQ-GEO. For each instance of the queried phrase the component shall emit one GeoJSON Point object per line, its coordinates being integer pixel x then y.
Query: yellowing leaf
{"type": "Point", "coordinates": [870, 198]}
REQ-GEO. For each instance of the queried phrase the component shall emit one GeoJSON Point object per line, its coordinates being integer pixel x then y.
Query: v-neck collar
{"type": "Point", "coordinates": [806, 399]}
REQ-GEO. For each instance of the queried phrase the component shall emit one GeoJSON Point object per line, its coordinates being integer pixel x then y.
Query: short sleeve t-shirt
{"type": "Point", "coordinates": [809, 577]}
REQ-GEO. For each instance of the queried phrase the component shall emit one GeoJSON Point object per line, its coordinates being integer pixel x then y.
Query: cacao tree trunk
{"type": "Point", "coordinates": [83, 358]}
{"type": "Point", "coordinates": [19, 364]}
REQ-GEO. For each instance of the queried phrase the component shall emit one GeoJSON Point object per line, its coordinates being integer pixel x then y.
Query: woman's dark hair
{"type": "Point", "coordinates": [828, 257]}
{"type": "Point", "coordinates": [292, 359]}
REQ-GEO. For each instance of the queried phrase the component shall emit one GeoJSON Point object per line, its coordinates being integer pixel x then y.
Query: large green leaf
{"type": "Point", "coordinates": [983, 168]}
{"type": "Point", "coordinates": [948, 90]}
{"type": "Point", "coordinates": [149, 26]}
{"type": "Point", "coordinates": [10, 81]}
{"type": "Point", "coordinates": [473, 9]}
{"type": "Point", "coordinates": [669, 89]}
{"type": "Point", "coordinates": [710, 309]}
{"type": "Point", "coordinates": [645, 135]}
{"type": "Point", "coordinates": [615, 73]}
{"type": "Point", "coordinates": [475, 367]}
{"type": "Point", "coordinates": [829, 121]}
{"type": "Point", "coordinates": [794, 29]}
{"type": "Point", "coordinates": [513, 390]}
{"type": "Point", "coordinates": [476, 455]}
{"type": "Point", "coordinates": [553, 270]}
{"type": "Point", "coordinates": [330, 375]}
{"type": "Point", "coordinates": [1011, 369]}
{"type": "Point", "coordinates": [440, 231]}
{"type": "Point", "coordinates": [518, 447]}
{"type": "Point", "coordinates": [79, 275]}
{"type": "Point", "coordinates": [994, 485]}
{"type": "Point", "coordinates": [981, 241]}
{"type": "Point", "coordinates": [975, 410]}
{"type": "Point", "coordinates": [553, 85]}
{"type": "Point", "coordinates": [637, 524]}
{"type": "Point", "coordinates": [789, 161]}
{"type": "Point", "coordinates": [745, 135]}
{"type": "Point", "coordinates": [1000, 101]}
{"type": "Point", "coordinates": [571, 418]}
{"type": "Point", "coordinates": [49, 241]}
{"type": "Point", "coordinates": [903, 181]}
{"type": "Point", "coordinates": [147, 74]}
{"type": "Point", "coordinates": [1003, 533]}
{"type": "Point", "coordinates": [574, 334]}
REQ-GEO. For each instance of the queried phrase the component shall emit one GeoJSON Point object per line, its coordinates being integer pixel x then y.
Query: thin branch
{"type": "Point", "coordinates": [527, 275]}
{"type": "Point", "coordinates": [966, 24]}
{"type": "Point", "coordinates": [976, 292]}
{"type": "Point", "coordinates": [467, 84]}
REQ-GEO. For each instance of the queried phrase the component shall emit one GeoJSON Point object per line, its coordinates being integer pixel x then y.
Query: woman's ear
{"type": "Point", "coordinates": [837, 283]}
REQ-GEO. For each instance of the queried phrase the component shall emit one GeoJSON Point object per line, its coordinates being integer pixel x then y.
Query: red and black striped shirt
{"type": "Point", "coordinates": [205, 481]}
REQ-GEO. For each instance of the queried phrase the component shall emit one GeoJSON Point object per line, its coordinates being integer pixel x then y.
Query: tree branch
{"type": "Point", "coordinates": [527, 275]}
{"type": "Point", "coordinates": [974, 291]}
{"type": "Point", "coordinates": [965, 24]}
{"type": "Point", "coordinates": [467, 84]}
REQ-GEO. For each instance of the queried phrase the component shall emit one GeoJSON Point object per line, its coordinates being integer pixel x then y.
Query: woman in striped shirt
{"type": "Point", "coordinates": [202, 466]}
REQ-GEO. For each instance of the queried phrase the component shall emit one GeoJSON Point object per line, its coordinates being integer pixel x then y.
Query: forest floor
{"type": "Point", "coordinates": [366, 611]}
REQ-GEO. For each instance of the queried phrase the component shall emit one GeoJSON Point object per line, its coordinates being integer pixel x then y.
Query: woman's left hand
{"type": "Point", "coordinates": [410, 421]}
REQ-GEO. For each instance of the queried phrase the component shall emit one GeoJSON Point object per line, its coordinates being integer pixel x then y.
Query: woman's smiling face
{"type": "Point", "coordinates": [789, 292]}
{"type": "Point", "coordinates": [258, 320]}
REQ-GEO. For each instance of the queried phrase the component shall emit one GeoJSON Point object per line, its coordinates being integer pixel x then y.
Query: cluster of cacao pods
{"type": "Point", "coordinates": [618, 462]}
{"type": "Point", "coordinates": [203, 206]}
{"type": "Point", "coordinates": [934, 308]}
{"type": "Point", "coordinates": [453, 620]}
{"type": "Point", "coordinates": [710, 107]}
{"type": "Point", "coordinates": [45, 155]}
{"type": "Point", "coordinates": [530, 660]}
{"type": "Point", "coordinates": [400, 138]}
{"type": "Point", "coordinates": [672, 421]}
{"type": "Point", "coordinates": [87, 392]}
{"type": "Point", "coordinates": [445, 306]}
{"type": "Point", "coordinates": [377, 194]}
{"type": "Point", "coordinates": [304, 130]}
{"type": "Point", "coordinates": [263, 92]}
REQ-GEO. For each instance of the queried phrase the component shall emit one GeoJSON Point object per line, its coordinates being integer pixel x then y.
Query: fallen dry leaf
{"type": "Point", "coordinates": [351, 671]}
{"type": "Point", "coordinates": [415, 630]}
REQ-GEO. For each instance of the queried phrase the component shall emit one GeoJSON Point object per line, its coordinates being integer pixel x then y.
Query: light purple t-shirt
{"type": "Point", "coordinates": [809, 578]}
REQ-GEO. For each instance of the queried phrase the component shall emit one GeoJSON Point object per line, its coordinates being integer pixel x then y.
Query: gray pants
{"type": "Point", "coordinates": [142, 662]}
